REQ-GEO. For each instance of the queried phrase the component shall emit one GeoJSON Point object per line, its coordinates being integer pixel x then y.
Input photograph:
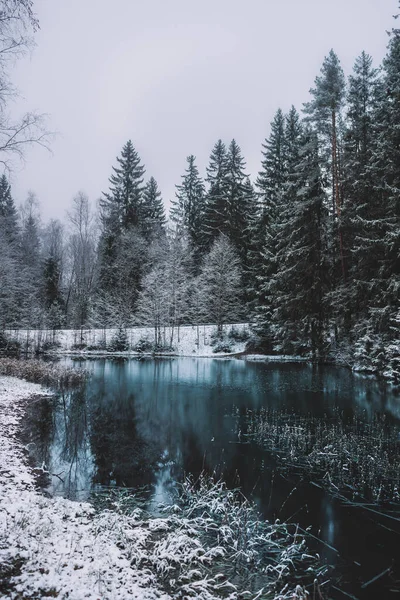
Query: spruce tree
{"type": "Point", "coordinates": [122, 201]}
{"type": "Point", "coordinates": [382, 223]}
{"type": "Point", "coordinates": [240, 200]}
{"type": "Point", "coordinates": [216, 208]}
{"type": "Point", "coordinates": [350, 297]}
{"type": "Point", "coordinates": [8, 212]}
{"type": "Point", "coordinates": [298, 286]}
{"type": "Point", "coordinates": [187, 209]}
{"type": "Point", "coordinates": [325, 113]}
{"type": "Point", "coordinates": [152, 212]}
{"type": "Point", "coordinates": [120, 211]}
{"type": "Point", "coordinates": [270, 186]}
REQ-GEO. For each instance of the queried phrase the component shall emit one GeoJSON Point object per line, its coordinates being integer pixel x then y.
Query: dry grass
{"type": "Point", "coordinates": [38, 371]}
{"type": "Point", "coordinates": [357, 458]}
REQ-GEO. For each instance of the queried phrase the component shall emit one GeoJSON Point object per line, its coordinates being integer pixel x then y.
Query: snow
{"type": "Point", "coordinates": [65, 548]}
{"type": "Point", "coordinates": [187, 340]}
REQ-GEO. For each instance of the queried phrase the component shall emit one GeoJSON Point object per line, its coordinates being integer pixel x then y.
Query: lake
{"type": "Point", "coordinates": [145, 424]}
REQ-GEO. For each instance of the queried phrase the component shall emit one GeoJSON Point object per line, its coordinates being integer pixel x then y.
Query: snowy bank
{"type": "Point", "coordinates": [55, 547]}
{"type": "Point", "coordinates": [186, 340]}
{"type": "Point", "coordinates": [64, 549]}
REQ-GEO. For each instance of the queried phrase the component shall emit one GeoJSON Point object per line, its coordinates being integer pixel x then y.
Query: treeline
{"type": "Point", "coordinates": [309, 252]}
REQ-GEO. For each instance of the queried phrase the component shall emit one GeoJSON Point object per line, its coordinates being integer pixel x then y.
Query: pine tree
{"type": "Point", "coordinates": [187, 210]}
{"type": "Point", "coordinates": [152, 213]}
{"type": "Point", "coordinates": [299, 285]}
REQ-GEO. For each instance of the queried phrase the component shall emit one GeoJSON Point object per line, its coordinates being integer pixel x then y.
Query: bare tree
{"type": "Point", "coordinates": [82, 253]}
{"type": "Point", "coordinates": [154, 302]}
{"type": "Point", "coordinates": [17, 26]}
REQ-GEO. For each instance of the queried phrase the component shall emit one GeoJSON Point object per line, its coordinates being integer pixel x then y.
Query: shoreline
{"type": "Point", "coordinates": [56, 547]}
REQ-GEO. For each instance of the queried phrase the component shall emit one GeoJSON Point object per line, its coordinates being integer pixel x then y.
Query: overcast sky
{"type": "Point", "coordinates": [174, 76]}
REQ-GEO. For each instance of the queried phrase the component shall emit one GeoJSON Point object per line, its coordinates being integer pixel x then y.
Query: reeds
{"type": "Point", "coordinates": [357, 458]}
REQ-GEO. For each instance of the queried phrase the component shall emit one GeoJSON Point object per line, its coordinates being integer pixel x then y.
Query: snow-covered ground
{"type": "Point", "coordinates": [54, 547]}
{"type": "Point", "coordinates": [187, 340]}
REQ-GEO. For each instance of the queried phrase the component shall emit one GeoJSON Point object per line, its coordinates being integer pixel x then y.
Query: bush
{"type": "Point", "coordinates": [9, 347]}
{"type": "Point", "coordinates": [144, 345]}
{"type": "Point", "coordinates": [239, 335]}
{"type": "Point", "coordinates": [78, 347]}
{"type": "Point", "coordinates": [49, 345]}
{"type": "Point", "coordinates": [222, 345]}
{"type": "Point", "coordinates": [119, 342]}
{"type": "Point", "coordinates": [97, 347]}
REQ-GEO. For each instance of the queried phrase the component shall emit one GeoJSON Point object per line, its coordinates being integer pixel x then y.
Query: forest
{"type": "Point", "coordinates": [307, 250]}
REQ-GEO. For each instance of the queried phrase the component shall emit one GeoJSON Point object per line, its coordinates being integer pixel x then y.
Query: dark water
{"type": "Point", "coordinates": [148, 423]}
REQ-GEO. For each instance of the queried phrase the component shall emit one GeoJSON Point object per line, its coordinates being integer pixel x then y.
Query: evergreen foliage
{"type": "Point", "coordinates": [310, 254]}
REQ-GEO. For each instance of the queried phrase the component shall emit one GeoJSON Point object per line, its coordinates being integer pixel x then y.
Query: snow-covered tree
{"type": "Point", "coordinates": [220, 282]}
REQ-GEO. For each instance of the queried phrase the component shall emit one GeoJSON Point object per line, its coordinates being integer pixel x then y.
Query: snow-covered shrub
{"type": "Point", "coordinates": [239, 335]}
{"type": "Point", "coordinates": [120, 342]}
{"type": "Point", "coordinates": [220, 342]}
{"type": "Point", "coordinates": [144, 345]}
{"type": "Point", "coordinates": [224, 346]}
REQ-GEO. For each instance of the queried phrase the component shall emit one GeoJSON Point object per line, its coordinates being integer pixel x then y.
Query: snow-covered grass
{"type": "Point", "coordinates": [208, 545]}
{"type": "Point", "coordinates": [187, 340]}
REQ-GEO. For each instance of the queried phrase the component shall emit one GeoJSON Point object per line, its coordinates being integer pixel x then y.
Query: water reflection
{"type": "Point", "coordinates": [149, 422]}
